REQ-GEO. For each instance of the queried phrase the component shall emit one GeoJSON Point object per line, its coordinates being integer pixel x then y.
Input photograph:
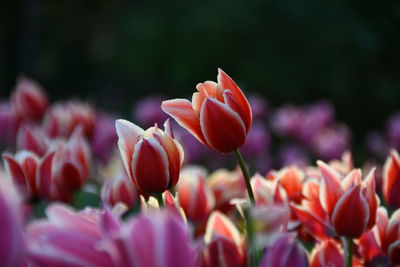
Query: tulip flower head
{"type": "Point", "coordinates": [219, 115]}
{"type": "Point", "coordinates": [391, 180]}
{"type": "Point", "coordinates": [154, 147]}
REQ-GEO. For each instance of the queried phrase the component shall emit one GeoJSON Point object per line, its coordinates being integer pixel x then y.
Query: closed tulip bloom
{"type": "Point", "coordinates": [285, 252]}
{"type": "Point", "coordinates": [327, 253]}
{"type": "Point", "coordinates": [29, 100]}
{"type": "Point", "coordinates": [158, 148]}
{"type": "Point", "coordinates": [195, 197]}
{"type": "Point", "coordinates": [120, 190]}
{"type": "Point", "coordinates": [11, 239]}
{"type": "Point", "coordinates": [219, 115]}
{"type": "Point", "coordinates": [391, 180]}
{"type": "Point", "coordinates": [33, 139]}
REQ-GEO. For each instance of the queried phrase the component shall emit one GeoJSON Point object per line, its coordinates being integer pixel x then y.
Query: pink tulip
{"type": "Point", "coordinates": [29, 100]}
{"type": "Point", "coordinates": [70, 238]}
{"type": "Point", "coordinates": [219, 115]}
{"type": "Point", "coordinates": [327, 253]}
{"type": "Point", "coordinates": [391, 180]}
{"type": "Point", "coordinates": [159, 239]}
{"type": "Point", "coordinates": [195, 197]}
{"type": "Point", "coordinates": [285, 252]}
{"type": "Point", "coordinates": [140, 149]}
{"type": "Point", "coordinates": [11, 237]}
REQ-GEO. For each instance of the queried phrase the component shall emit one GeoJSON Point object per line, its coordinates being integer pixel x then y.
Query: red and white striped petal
{"type": "Point", "coordinates": [29, 163]}
{"type": "Point", "coordinates": [226, 82]}
{"type": "Point", "coordinates": [326, 253]}
{"type": "Point", "coordinates": [154, 179]}
{"type": "Point", "coordinates": [391, 180]}
{"type": "Point", "coordinates": [351, 214]}
{"type": "Point", "coordinates": [128, 134]}
{"type": "Point", "coordinates": [44, 178]}
{"type": "Point", "coordinates": [222, 127]}
{"type": "Point", "coordinates": [368, 190]}
{"type": "Point", "coordinates": [16, 174]}
{"type": "Point", "coordinates": [182, 111]}
{"type": "Point", "coordinates": [219, 224]}
{"type": "Point", "coordinates": [353, 178]}
{"type": "Point", "coordinates": [330, 189]}
{"type": "Point", "coordinates": [231, 101]}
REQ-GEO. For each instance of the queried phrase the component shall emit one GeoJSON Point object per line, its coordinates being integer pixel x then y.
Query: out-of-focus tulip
{"type": "Point", "coordinates": [68, 238]}
{"type": "Point", "coordinates": [331, 142]}
{"type": "Point", "coordinates": [29, 100]}
{"type": "Point", "coordinates": [219, 115]}
{"type": "Point", "coordinates": [104, 138]}
{"type": "Point", "coordinates": [195, 197]}
{"type": "Point", "coordinates": [348, 204]}
{"type": "Point", "coordinates": [327, 253]}
{"type": "Point", "coordinates": [11, 236]}
{"type": "Point", "coordinates": [31, 175]}
{"type": "Point", "coordinates": [120, 189]}
{"type": "Point", "coordinates": [9, 122]}
{"type": "Point", "coordinates": [259, 106]}
{"type": "Point", "coordinates": [140, 148]}
{"type": "Point", "coordinates": [391, 180]}
{"type": "Point", "coordinates": [159, 239]}
{"type": "Point", "coordinates": [226, 186]}
{"type": "Point", "coordinates": [266, 192]}
{"type": "Point", "coordinates": [223, 242]}
{"type": "Point", "coordinates": [71, 163]}
{"type": "Point", "coordinates": [62, 119]}
{"type": "Point", "coordinates": [285, 252]}
{"type": "Point", "coordinates": [33, 139]}
{"type": "Point", "coordinates": [257, 142]}
{"type": "Point", "coordinates": [291, 179]}
{"type": "Point", "coordinates": [293, 155]}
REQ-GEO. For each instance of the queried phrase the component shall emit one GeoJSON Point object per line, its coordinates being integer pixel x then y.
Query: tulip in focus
{"type": "Point", "coordinates": [391, 180]}
{"type": "Point", "coordinates": [12, 247]}
{"type": "Point", "coordinates": [219, 115]}
{"type": "Point", "coordinates": [152, 158]}
{"type": "Point", "coordinates": [29, 100]}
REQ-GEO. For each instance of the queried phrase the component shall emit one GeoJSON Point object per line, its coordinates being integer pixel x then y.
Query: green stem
{"type": "Point", "coordinates": [160, 199]}
{"type": "Point", "coordinates": [349, 254]}
{"type": "Point", "coordinates": [246, 175]}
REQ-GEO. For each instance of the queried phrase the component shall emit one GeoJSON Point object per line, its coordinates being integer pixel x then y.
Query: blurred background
{"type": "Point", "coordinates": [113, 53]}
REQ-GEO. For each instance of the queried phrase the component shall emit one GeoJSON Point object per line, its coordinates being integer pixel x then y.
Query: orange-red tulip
{"type": "Point", "coordinates": [391, 180]}
{"type": "Point", "coordinates": [219, 115]}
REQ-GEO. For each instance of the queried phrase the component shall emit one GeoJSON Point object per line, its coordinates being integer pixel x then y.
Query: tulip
{"type": "Point", "coordinates": [223, 242]}
{"type": "Point", "coordinates": [31, 174]}
{"type": "Point", "coordinates": [291, 179]}
{"type": "Point", "coordinates": [11, 235]}
{"type": "Point", "coordinates": [326, 253]}
{"type": "Point", "coordinates": [219, 115]}
{"type": "Point", "coordinates": [70, 238]}
{"type": "Point", "coordinates": [120, 189]}
{"type": "Point", "coordinates": [285, 252]}
{"type": "Point", "coordinates": [159, 239]}
{"type": "Point", "coordinates": [266, 192]}
{"type": "Point", "coordinates": [140, 148]}
{"type": "Point", "coordinates": [29, 100]}
{"type": "Point", "coordinates": [104, 139]}
{"type": "Point", "coordinates": [33, 139]}
{"type": "Point", "coordinates": [195, 197]}
{"type": "Point", "coordinates": [391, 180]}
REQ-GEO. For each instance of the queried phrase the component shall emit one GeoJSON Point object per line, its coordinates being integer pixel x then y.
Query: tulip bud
{"type": "Point", "coordinates": [32, 139]}
{"type": "Point", "coordinates": [120, 189]}
{"type": "Point", "coordinates": [285, 252]}
{"type": "Point", "coordinates": [11, 232]}
{"type": "Point", "coordinates": [219, 115]}
{"type": "Point", "coordinates": [29, 100]}
{"type": "Point", "coordinates": [327, 253]}
{"type": "Point", "coordinates": [391, 180]}
{"type": "Point", "coordinates": [195, 198]}
{"type": "Point", "coordinates": [140, 148]}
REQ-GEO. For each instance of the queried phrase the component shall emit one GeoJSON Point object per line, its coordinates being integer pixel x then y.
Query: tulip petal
{"type": "Point", "coordinates": [330, 189]}
{"type": "Point", "coordinates": [230, 100]}
{"type": "Point", "coordinates": [227, 83]}
{"type": "Point", "coordinates": [222, 127]}
{"type": "Point", "coordinates": [128, 134]}
{"type": "Point", "coordinates": [351, 214]}
{"type": "Point", "coordinates": [44, 175]}
{"type": "Point", "coordinates": [17, 175]}
{"type": "Point", "coordinates": [155, 179]}
{"type": "Point", "coordinates": [391, 180]}
{"type": "Point", "coordinates": [220, 225]}
{"type": "Point", "coordinates": [394, 252]}
{"type": "Point", "coordinates": [182, 111]}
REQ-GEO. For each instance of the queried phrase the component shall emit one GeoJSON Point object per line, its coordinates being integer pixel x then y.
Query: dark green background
{"type": "Point", "coordinates": [114, 52]}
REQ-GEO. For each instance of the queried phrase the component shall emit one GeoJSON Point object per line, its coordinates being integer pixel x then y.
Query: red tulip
{"type": "Point", "coordinates": [266, 192]}
{"type": "Point", "coordinates": [29, 100]}
{"type": "Point", "coordinates": [391, 180]}
{"type": "Point", "coordinates": [327, 253]}
{"type": "Point", "coordinates": [120, 189]}
{"type": "Point", "coordinates": [155, 148]}
{"type": "Point", "coordinates": [219, 115]}
{"type": "Point", "coordinates": [31, 174]}
{"type": "Point", "coordinates": [195, 197]}
{"type": "Point", "coordinates": [291, 179]}
{"type": "Point", "coordinates": [33, 139]}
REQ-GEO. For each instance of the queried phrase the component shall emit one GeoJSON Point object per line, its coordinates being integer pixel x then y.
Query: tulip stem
{"type": "Point", "coordinates": [246, 175]}
{"type": "Point", "coordinates": [349, 254]}
{"type": "Point", "coordinates": [160, 199]}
